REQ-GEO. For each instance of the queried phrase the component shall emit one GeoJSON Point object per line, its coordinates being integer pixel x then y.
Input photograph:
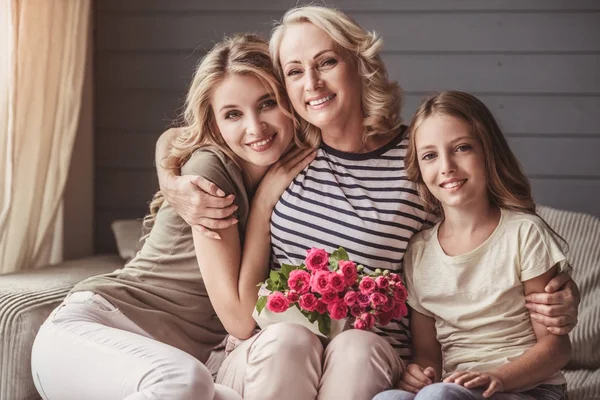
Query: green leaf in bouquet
{"type": "Point", "coordinates": [260, 304]}
{"type": "Point", "coordinates": [312, 316]}
{"type": "Point", "coordinates": [274, 277]}
{"type": "Point", "coordinates": [286, 269]}
{"type": "Point", "coordinates": [324, 324]}
{"type": "Point", "coordinates": [336, 256]}
{"type": "Point", "coordinates": [270, 285]}
{"type": "Point", "coordinates": [341, 254]}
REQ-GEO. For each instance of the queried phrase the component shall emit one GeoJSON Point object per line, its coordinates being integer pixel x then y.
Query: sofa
{"type": "Point", "coordinates": [27, 298]}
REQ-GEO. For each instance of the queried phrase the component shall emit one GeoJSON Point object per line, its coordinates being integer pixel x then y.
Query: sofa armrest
{"type": "Point", "coordinates": [26, 300]}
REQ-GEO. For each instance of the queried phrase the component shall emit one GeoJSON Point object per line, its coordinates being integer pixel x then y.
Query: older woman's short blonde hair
{"type": "Point", "coordinates": [381, 99]}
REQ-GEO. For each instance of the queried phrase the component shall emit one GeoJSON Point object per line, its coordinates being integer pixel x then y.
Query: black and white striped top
{"type": "Point", "coordinates": [362, 202]}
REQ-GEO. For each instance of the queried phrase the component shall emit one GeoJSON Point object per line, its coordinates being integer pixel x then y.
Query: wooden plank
{"type": "Point", "coordinates": [573, 74]}
{"type": "Point", "coordinates": [540, 115]}
{"type": "Point", "coordinates": [576, 195]}
{"type": "Point", "coordinates": [146, 111]}
{"type": "Point", "coordinates": [125, 150]}
{"type": "Point", "coordinates": [414, 32]}
{"type": "Point", "coordinates": [151, 112]}
{"type": "Point", "coordinates": [121, 188]}
{"type": "Point", "coordinates": [561, 157]}
{"type": "Point", "coordinates": [347, 5]}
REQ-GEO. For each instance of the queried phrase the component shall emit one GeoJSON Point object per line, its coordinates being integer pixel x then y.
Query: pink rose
{"type": "Point", "coordinates": [382, 282]}
{"type": "Point", "coordinates": [321, 307]}
{"type": "Point", "coordinates": [348, 271]}
{"type": "Point", "coordinates": [356, 310]}
{"type": "Point", "coordinates": [317, 259]}
{"type": "Point", "coordinates": [368, 319]}
{"type": "Point", "coordinates": [299, 281]}
{"type": "Point", "coordinates": [385, 318]}
{"type": "Point", "coordinates": [293, 296]}
{"type": "Point", "coordinates": [400, 293]}
{"type": "Point", "coordinates": [389, 304]}
{"type": "Point", "coordinates": [399, 311]}
{"type": "Point", "coordinates": [329, 296]}
{"type": "Point", "coordinates": [378, 299]}
{"type": "Point", "coordinates": [277, 302]}
{"type": "Point", "coordinates": [336, 282]}
{"type": "Point", "coordinates": [308, 302]}
{"type": "Point", "coordinates": [350, 298]}
{"type": "Point", "coordinates": [319, 281]}
{"type": "Point", "coordinates": [394, 277]}
{"type": "Point", "coordinates": [363, 299]}
{"type": "Point", "coordinates": [367, 285]}
{"type": "Point", "coordinates": [359, 324]}
{"type": "Point", "coordinates": [337, 309]}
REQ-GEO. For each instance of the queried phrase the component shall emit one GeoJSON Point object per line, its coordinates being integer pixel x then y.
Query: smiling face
{"type": "Point", "coordinates": [250, 121]}
{"type": "Point", "coordinates": [322, 81]}
{"type": "Point", "coordinates": [451, 161]}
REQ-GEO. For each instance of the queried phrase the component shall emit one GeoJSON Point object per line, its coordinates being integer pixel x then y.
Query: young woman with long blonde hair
{"type": "Point", "coordinates": [146, 330]}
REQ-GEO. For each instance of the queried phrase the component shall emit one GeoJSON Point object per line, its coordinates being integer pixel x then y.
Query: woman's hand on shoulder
{"type": "Point", "coordinates": [557, 307]}
{"type": "Point", "coordinates": [281, 174]}
{"type": "Point", "coordinates": [201, 203]}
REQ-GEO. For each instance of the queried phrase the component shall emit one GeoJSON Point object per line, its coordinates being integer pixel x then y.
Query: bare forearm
{"type": "Point", "coordinates": [255, 257]}
{"type": "Point", "coordinates": [548, 356]}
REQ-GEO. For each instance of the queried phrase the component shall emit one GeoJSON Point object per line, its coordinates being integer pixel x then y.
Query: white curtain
{"type": "Point", "coordinates": [43, 46]}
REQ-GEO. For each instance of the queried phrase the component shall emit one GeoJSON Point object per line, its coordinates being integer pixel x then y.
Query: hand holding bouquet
{"type": "Point", "coordinates": [331, 287]}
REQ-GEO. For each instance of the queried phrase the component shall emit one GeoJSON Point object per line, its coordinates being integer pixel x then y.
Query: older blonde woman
{"type": "Point", "coordinates": [354, 194]}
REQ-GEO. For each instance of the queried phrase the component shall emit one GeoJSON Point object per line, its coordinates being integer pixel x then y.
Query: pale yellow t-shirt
{"type": "Point", "coordinates": [477, 299]}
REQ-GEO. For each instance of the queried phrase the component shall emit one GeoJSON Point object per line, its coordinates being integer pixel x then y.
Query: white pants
{"type": "Point", "coordinates": [88, 349]}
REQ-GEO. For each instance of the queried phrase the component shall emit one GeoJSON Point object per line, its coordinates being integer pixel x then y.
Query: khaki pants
{"type": "Point", "coordinates": [287, 361]}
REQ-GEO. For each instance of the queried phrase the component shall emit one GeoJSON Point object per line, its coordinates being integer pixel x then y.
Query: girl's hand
{"type": "Point", "coordinates": [473, 379]}
{"type": "Point", "coordinates": [415, 378]}
{"type": "Point", "coordinates": [557, 308]}
{"type": "Point", "coordinates": [281, 174]}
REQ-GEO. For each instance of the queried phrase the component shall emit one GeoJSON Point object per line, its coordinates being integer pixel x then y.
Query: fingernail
{"type": "Point", "coordinates": [216, 236]}
{"type": "Point", "coordinates": [220, 192]}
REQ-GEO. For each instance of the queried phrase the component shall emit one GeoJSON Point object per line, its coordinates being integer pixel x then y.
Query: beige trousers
{"type": "Point", "coordinates": [287, 361]}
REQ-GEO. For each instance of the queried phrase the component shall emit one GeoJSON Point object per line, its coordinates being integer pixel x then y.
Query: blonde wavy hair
{"type": "Point", "coordinates": [507, 185]}
{"type": "Point", "coordinates": [381, 99]}
{"type": "Point", "coordinates": [245, 54]}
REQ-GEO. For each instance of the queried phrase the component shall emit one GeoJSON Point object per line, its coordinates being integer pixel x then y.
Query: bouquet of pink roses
{"type": "Point", "coordinates": [331, 287]}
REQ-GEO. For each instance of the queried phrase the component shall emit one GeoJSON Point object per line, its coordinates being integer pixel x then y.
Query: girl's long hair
{"type": "Point", "coordinates": [381, 99]}
{"type": "Point", "coordinates": [245, 54]}
{"type": "Point", "coordinates": [507, 185]}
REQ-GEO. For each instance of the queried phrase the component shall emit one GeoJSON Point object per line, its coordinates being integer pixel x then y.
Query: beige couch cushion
{"type": "Point", "coordinates": [26, 300]}
{"type": "Point", "coordinates": [128, 233]}
{"type": "Point", "coordinates": [582, 233]}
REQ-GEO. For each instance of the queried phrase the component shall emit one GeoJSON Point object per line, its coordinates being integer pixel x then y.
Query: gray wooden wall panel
{"type": "Point", "coordinates": [535, 63]}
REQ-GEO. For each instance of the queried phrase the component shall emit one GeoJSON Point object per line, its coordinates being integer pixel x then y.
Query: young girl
{"type": "Point", "coordinates": [145, 331]}
{"type": "Point", "coordinates": [468, 276]}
